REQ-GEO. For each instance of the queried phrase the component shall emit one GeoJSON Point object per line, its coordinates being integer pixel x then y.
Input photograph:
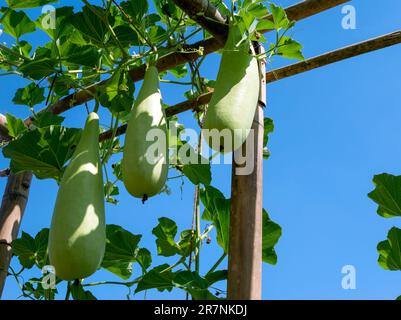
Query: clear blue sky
{"type": "Point", "coordinates": [334, 129]}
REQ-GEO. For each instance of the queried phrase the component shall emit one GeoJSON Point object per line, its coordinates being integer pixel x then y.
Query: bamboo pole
{"type": "Point", "coordinates": [245, 246]}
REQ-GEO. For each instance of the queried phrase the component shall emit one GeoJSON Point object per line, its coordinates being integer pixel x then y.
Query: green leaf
{"type": "Point", "coordinates": [44, 151]}
{"type": "Point", "coordinates": [151, 19]}
{"type": "Point", "coordinates": [17, 23]}
{"type": "Point", "coordinates": [90, 25]}
{"type": "Point", "coordinates": [268, 128]}
{"type": "Point", "coordinates": [387, 195]}
{"type": "Point", "coordinates": [79, 55]}
{"type": "Point", "coordinates": [390, 251]}
{"type": "Point", "coordinates": [34, 287]}
{"type": "Point", "coordinates": [265, 25]}
{"type": "Point", "coordinates": [110, 190]}
{"type": "Point", "coordinates": [289, 48]}
{"type": "Point", "coordinates": [136, 9]}
{"type": "Point", "coordinates": [144, 258]}
{"type": "Point", "coordinates": [156, 279]}
{"type": "Point", "coordinates": [117, 94]}
{"type": "Point", "coordinates": [198, 173]}
{"type": "Point", "coordinates": [29, 96]}
{"type": "Point", "coordinates": [217, 210]}
{"type": "Point", "coordinates": [156, 34]}
{"type": "Point", "coordinates": [179, 71]}
{"type": "Point", "coordinates": [121, 251]}
{"type": "Point", "coordinates": [165, 233]}
{"type": "Point", "coordinates": [60, 27]}
{"type": "Point", "coordinates": [258, 10]}
{"type": "Point", "coordinates": [126, 36]}
{"type": "Point", "coordinates": [38, 69]}
{"type": "Point", "coordinates": [279, 17]}
{"type": "Point", "coordinates": [78, 293]}
{"type": "Point", "coordinates": [117, 170]}
{"type": "Point", "coordinates": [216, 276]}
{"type": "Point", "coordinates": [15, 126]}
{"type": "Point", "coordinates": [27, 4]}
{"type": "Point", "coordinates": [166, 8]}
{"type": "Point", "coordinates": [271, 234]}
{"type": "Point", "coordinates": [32, 251]}
{"type": "Point", "coordinates": [46, 119]}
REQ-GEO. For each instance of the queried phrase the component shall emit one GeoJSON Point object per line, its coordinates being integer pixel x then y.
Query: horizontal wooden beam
{"type": "Point", "coordinates": [335, 56]}
{"type": "Point", "coordinates": [188, 53]}
{"type": "Point", "coordinates": [291, 70]}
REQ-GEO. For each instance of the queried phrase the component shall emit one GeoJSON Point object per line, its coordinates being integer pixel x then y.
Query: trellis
{"type": "Point", "coordinates": [245, 257]}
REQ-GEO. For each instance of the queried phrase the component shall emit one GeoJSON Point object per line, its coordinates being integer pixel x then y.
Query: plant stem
{"type": "Point", "coordinates": [215, 266]}
{"type": "Point", "coordinates": [68, 293]}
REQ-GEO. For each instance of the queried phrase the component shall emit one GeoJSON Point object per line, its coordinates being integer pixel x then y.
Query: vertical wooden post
{"type": "Point", "coordinates": [245, 251]}
{"type": "Point", "coordinates": [12, 209]}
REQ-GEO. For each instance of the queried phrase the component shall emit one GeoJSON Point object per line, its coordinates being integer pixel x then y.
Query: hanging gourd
{"type": "Point", "coordinates": [235, 98]}
{"type": "Point", "coordinates": [78, 232]}
{"type": "Point", "coordinates": [145, 158]}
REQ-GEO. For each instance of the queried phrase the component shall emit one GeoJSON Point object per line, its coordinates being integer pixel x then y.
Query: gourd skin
{"type": "Point", "coordinates": [78, 232]}
{"type": "Point", "coordinates": [142, 178]}
{"type": "Point", "coordinates": [235, 97]}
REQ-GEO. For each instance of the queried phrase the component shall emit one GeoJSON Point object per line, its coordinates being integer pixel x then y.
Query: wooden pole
{"type": "Point", "coordinates": [12, 209]}
{"type": "Point", "coordinates": [245, 250]}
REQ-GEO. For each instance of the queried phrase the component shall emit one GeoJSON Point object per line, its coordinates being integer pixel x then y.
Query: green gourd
{"type": "Point", "coordinates": [78, 232]}
{"type": "Point", "coordinates": [235, 98]}
{"type": "Point", "coordinates": [145, 163]}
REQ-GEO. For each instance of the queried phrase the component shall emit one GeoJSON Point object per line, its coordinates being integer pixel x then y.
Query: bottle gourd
{"type": "Point", "coordinates": [145, 157]}
{"type": "Point", "coordinates": [232, 107]}
{"type": "Point", "coordinates": [78, 232]}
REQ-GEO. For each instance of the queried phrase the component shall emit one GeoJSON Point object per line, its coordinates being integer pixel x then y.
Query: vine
{"type": "Point", "coordinates": [110, 40]}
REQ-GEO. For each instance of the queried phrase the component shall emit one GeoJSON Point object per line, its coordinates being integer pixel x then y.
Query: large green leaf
{"type": "Point", "coordinates": [387, 195]}
{"type": "Point", "coordinates": [30, 96]}
{"type": "Point", "coordinates": [136, 9]}
{"type": "Point", "coordinates": [79, 55]}
{"type": "Point", "coordinates": [32, 251]}
{"type": "Point", "coordinates": [390, 251]}
{"type": "Point", "coordinates": [90, 25]}
{"type": "Point", "coordinates": [46, 119]}
{"type": "Point", "coordinates": [26, 4]}
{"type": "Point", "coordinates": [38, 69]}
{"type": "Point", "coordinates": [271, 235]}
{"type": "Point", "coordinates": [17, 23]}
{"type": "Point", "coordinates": [44, 151]}
{"type": "Point", "coordinates": [121, 251]}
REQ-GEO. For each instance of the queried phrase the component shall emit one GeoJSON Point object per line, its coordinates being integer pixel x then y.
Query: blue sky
{"type": "Point", "coordinates": [334, 129]}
